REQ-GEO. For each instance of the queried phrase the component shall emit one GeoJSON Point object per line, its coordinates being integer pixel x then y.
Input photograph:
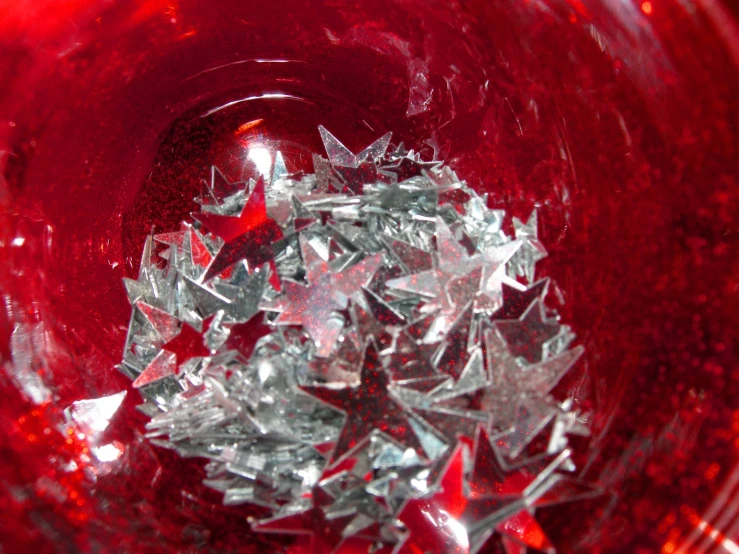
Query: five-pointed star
{"type": "Point", "coordinates": [368, 406]}
{"type": "Point", "coordinates": [243, 337]}
{"type": "Point", "coordinates": [187, 344]}
{"type": "Point", "coordinates": [250, 236]}
{"type": "Point", "coordinates": [507, 387]}
{"type": "Point", "coordinates": [526, 336]}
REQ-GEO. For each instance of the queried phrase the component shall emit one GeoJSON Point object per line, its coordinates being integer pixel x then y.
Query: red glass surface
{"type": "Point", "coordinates": [618, 119]}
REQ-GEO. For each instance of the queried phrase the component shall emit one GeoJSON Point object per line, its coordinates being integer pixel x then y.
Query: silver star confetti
{"type": "Point", "coordinates": [364, 352]}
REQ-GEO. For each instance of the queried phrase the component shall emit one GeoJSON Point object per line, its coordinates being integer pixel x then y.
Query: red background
{"type": "Point", "coordinates": [618, 119]}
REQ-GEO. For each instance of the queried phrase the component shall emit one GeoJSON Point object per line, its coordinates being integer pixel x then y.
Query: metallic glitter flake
{"type": "Point", "coordinates": [363, 352]}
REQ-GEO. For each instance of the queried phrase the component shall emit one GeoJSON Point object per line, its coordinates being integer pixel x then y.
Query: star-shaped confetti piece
{"type": "Point", "coordinates": [368, 406]}
{"type": "Point", "coordinates": [243, 337]}
{"type": "Point", "coordinates": [187, 344]}
{"type": "Point", "coordinates": [340, 156]}
{"type": "Point", "coordinates": [250, 236]}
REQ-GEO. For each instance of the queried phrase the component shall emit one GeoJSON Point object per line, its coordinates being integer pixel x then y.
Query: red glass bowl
{"type": "Point", "coordinates": [616, 118]}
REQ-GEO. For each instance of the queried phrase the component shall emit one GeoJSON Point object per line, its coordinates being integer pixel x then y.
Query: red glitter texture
{"type": "Point", "coordinates": [617, 119]}
{"type": "Point", "coordinates": [369, 406]}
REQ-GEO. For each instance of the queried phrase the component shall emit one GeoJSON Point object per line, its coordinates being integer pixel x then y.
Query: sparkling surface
{"type": "Point", "coordinates": [246, 237]}
{"type": "Point", "coordinates": [630, 159]}
{"type": "Point", "coordinates": [400, 380]}
{"type": "Point", "coordinates": [369, 406]}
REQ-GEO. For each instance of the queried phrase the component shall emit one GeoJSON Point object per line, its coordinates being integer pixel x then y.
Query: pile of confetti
{"type": "Point", "coordinates": [364, 352]}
